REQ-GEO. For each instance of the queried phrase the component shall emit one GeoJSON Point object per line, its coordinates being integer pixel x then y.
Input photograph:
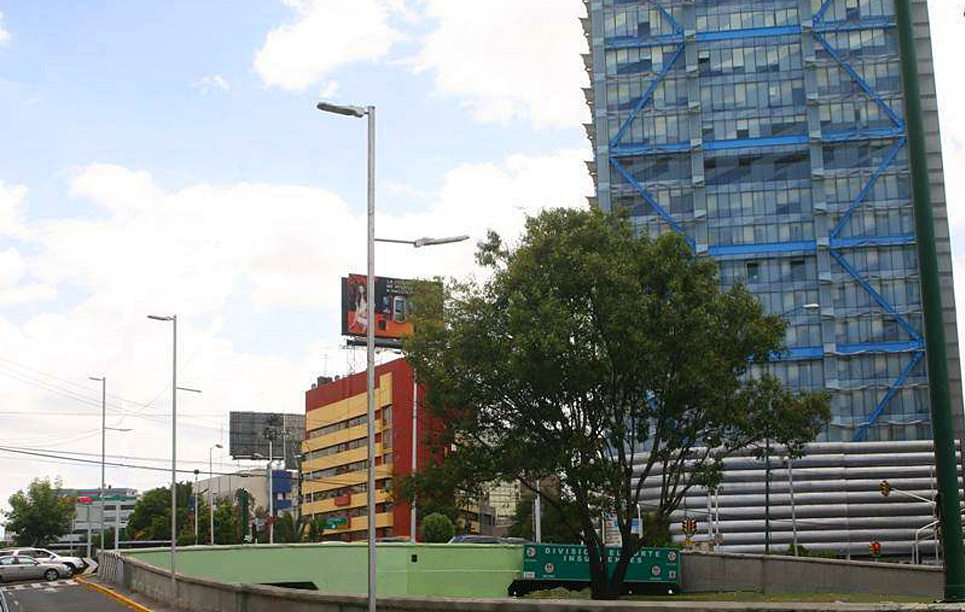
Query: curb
{"type": "Point", "coordinates": [113, 595]}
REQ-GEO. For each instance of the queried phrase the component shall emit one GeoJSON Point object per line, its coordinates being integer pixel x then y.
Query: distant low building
{"type": "Point", "coordinates": [116, 511]}
{"type": "Point", "coordinates": [255, 482]}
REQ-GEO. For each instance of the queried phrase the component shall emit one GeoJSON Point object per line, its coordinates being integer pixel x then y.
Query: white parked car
{"type": "Point", "coordinates": [73, 564]}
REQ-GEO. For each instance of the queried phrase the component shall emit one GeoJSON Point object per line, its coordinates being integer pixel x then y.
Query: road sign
{"type": "Point", "coordinates": [336, 522]}
{"type": "Point", "coordinates": [566, 562]}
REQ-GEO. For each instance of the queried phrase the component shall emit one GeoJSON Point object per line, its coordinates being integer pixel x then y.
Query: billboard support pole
{"type": "Point", "coordinates": [413, 521]}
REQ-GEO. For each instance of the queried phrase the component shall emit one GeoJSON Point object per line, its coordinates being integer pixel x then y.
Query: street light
{"type": "Point", "coordinates": [810, 307]}
{"type": "Point", "coordinates": [425, 241]}
{"type": "Point", "coordinates": [369, 112]}
{"type": "Point", "coordinates": [343, 109]}
{"type": "Point", "coordinates": [173, 319]}
{"type": "Point", "coordinates": [211, 490]}
{"type": "Point", "coordinates": [359, 112]}
{"type": "Point", "coordinates": [270, 435]}
{"type": "Point", "coordinates": [419, 243]}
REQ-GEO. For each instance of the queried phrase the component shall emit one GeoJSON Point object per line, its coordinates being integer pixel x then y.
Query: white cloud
{"type": "Point", "coordinates": [324, 35]}
{"type": "Point", "coordinates": [12, 206]}
{"type": "Point", "coordinates": [4, 34]}
{"type": "Point", "coordinates": [207, 84]}
{"type": "Point", "coordinates": [203, 252]}
{"type": "Point", "coordinates": [511, 60]}
{"type": "Point", "coordinates": [948, 30]}
{"type": "Point", "coordinates": [329, 90]}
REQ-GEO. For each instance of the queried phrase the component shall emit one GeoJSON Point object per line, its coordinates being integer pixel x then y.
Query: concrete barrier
{"type": "Point", "coordinates": [706, 572]}
{"type": "Point", "coordinates": [701, 573]}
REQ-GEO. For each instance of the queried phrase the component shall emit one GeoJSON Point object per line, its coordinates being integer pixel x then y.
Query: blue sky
{"type": "Point", "coordinates": [166, 157]}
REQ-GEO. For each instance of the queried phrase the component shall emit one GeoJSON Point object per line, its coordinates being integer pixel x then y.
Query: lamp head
{"type": "Point", "coordinates": [341, 109]}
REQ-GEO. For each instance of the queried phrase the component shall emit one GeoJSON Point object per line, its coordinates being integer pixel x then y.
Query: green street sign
{"type": "Point", "coordinates": [565, 562]}
{"type": "Point", "coordinates": [333, 523]}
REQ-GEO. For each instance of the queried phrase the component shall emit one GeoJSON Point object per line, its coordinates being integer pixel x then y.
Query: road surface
{"type": "Point", "coordinates": [58, 596]}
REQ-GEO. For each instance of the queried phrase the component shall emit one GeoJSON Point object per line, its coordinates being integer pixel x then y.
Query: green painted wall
{"type": "Point", "coordinates": [439, 570]}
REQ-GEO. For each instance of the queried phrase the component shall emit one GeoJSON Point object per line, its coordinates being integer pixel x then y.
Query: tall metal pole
{"type": "Point", "coordinates": [88, 528]}
{"type": "Point", "coordinates": [210, 496]}
{"type": "Point", "coordinates": [196, 507]}
{"type": "Point", "coordinates": [538, 512]}
{"type": "Point", "coordinates": [936, 355]}
{"type": "Point", "coordinates": [103, 452]}
{"type": "Point", "coordinates": [370, 355]}
{"type": "Point", "coordinates": [767, 499]}
{"type": "Point", "coordinates": [117, 525]}
{"type": "Point", "coordinates": [271, 494]}
{"type": "Point", "coordinates": [415, 438]}
{"type": "Point", "coordinates": [790, 482]}
{"type": "Point", "coordinates": [174, 458]}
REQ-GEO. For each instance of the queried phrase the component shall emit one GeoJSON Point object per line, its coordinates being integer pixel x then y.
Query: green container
{"type": "Point", "coordinates": [566, 562]}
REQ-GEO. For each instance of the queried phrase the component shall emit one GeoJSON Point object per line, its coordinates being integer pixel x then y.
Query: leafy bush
{"type": "Point", "coordinates": [437, 528]}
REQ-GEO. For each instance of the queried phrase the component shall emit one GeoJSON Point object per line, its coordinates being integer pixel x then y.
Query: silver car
{"type": "Point", "coordinates": [28, 568]}
{"type": "Point", "coordinates": [75, 564]}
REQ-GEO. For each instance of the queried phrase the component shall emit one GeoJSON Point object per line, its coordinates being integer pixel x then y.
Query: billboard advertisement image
{"type": "Point", "coordinates": [392, 308]}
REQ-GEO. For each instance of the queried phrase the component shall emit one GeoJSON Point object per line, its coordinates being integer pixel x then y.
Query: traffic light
{"type": "Point", "coordinates": [885, 487]}
{"type": "Point", "coordinates": [689, 526]}
{"type": "Point", "coordinates": [875, 548]}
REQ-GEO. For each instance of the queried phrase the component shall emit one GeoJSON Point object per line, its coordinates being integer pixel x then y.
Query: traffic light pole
{"type": "Point", "coordinates": [937, 357]}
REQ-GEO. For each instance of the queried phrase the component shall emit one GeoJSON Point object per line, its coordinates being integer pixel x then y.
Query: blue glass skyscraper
{"type": "Point", "coordinates": [771, 134]}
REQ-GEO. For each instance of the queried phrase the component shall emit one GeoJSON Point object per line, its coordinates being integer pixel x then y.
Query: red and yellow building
{"type": "Point", "coordinates": [334, 465]}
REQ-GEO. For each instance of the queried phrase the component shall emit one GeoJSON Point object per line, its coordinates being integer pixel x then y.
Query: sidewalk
{"type": "Point", "coordinates": [138, 598]}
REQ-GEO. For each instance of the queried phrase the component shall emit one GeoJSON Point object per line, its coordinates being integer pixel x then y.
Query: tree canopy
{"type": "Point", "coordinates": [608, 359]}
{"type": "Point", "coordinates": [40, 515]}
{"type": "Point", "coordinates": [151, 519]}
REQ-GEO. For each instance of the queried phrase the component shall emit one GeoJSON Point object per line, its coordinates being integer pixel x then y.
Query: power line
{"type": "Point", "coordinates": [79, 460]}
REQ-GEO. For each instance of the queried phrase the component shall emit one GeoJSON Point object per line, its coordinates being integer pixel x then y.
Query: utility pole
{"type": "Point", "coordinates": [538, 511]}
{"type": "Point", "coordinates": [935, 348]}
{"type": "Point", "coordinates": [117, 524]}
{"type": "Point", "coordinates": [103, 381]}
{"type": "Point", "coordinates": [767, 499]}
{"type": "Point", "coordinates": [211, 491]}
{"type": "Point", "coordinates": [196, 507]}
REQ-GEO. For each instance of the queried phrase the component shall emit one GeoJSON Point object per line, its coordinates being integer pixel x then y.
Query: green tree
{"type": "Point", "coordinates": [227, 521]}
{"type": "Point", "coordinates": [437, 528]}
{"type": "Point", "coordinates": [316, 529]}
{"type": "Point", "coordinates": [607, 359]}
{"type": "Point", "coordinates": [291, 531]}
{"type": "Point", "coordinates": [40, 515]}
{"type": "Point", "coordinates": [151, 519]}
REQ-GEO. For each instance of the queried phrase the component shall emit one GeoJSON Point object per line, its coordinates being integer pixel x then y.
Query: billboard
{"type": "Point", "coordinates": [248, 434]}
{"type": "Point", "coordinates": [393, 305]}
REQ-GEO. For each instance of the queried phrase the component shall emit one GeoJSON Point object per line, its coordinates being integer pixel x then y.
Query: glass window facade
{"type": "Point", "coordinates": [771, 134]}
